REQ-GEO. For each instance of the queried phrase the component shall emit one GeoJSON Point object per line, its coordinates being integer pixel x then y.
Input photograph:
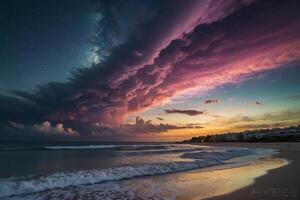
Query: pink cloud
{"type": "Point", "coordinates": [45, 128]}
{"type": "Point", "coordinates": [182, 22]}
{"type": "Point", "coordinates": [199, 62]}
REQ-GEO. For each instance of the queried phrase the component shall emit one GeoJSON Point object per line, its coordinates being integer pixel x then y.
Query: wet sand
{"type": "Point", "coordinates": [274, 177]}
{"type": "Point", "coordinates": [281, 183]}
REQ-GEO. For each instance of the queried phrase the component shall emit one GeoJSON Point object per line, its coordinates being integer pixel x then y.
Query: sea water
{"type": "Point", "coordinates": [63, 170]}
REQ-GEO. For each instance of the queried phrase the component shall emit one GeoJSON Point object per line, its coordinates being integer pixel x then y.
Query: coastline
{"type": "Point", "coordinates": [280, 183]}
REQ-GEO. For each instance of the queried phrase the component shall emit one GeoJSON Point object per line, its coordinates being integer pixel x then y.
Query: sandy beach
{"type": "Point", "coordinates": [280, 183]}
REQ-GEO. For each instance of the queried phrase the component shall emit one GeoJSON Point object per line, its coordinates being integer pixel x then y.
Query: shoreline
{"type": "Point", "coordinates": [217, 181]}
{"type": "Point", "coordinates": [281, 183]}
{"type": "Point", "coordinates": [273, 176]}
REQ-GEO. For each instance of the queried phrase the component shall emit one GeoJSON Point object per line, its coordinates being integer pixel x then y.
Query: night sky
{"type": "Point", "coordinates": [147, 70]}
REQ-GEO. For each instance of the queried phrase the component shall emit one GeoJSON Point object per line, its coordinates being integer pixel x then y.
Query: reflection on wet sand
{"type": "Point", "coordinates": [204, 184]}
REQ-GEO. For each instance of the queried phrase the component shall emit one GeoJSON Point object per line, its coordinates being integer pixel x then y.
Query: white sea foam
{"type": "Point", "coordinates": [197, 159]}
{"type": "Point", "coordinates": [145, 189]}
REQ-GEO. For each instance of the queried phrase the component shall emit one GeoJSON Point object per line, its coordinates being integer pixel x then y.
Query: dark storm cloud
{"type": "Point", "coordinates": [108, 91]}
{"type": "Point", "coordinates": [184, 46]}
{"type": "Point", "coordinates": [19, 110]}
{"type": "Point", "coordinates": [255, 102]}
{"type": "Point", "coordinates": [211, 101]}
{"type": "Point", "coordinates": [186, 112]}
{"type": "Point", "coordinates": [141, 127]}
{"type": "Point", "coordinates": [258, 103]}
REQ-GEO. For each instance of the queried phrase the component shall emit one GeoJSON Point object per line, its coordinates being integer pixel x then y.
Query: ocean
{"type": "Point", "coordinates": [79, 170]}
